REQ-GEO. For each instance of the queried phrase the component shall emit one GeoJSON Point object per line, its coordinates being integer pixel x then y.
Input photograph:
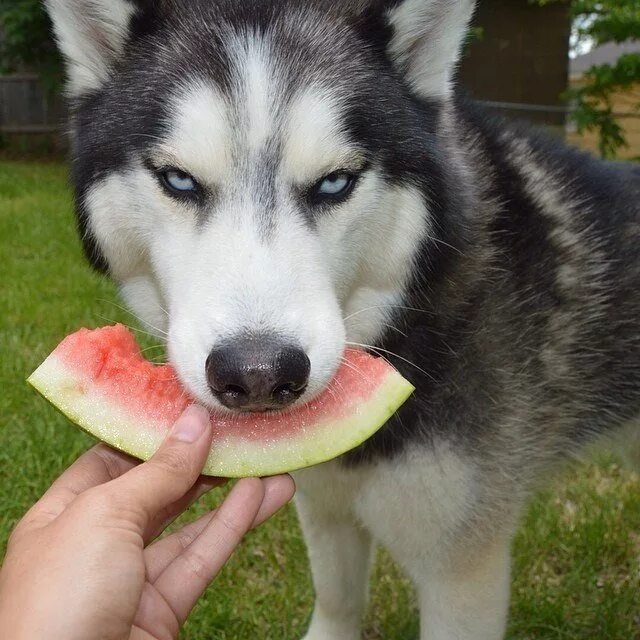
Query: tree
{"type": "Point", "coordinates": [597, 22]}
{"type": "Point", "coordinates": [26, 41]}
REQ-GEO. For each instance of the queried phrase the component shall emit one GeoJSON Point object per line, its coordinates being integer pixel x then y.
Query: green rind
{"type": "Point", "coordinates": [234, 459]}
{"type": "Point", "coordinates": [76, 422]}
{"type": "Point", "coordinates": [308, 453]}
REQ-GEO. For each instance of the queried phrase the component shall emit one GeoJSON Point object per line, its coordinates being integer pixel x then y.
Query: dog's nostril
{"type": "Point", "coordinates": [257, 373]}
{"type": "Point", "coordinates": [287, 393]}
{"type": "Point", "coordinates": [285, 388]}
{"type": "Point", "coordinates": [235, 390]}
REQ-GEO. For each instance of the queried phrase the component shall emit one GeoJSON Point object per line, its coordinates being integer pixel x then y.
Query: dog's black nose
{"type": "Point", "coordinates": [257, 373]}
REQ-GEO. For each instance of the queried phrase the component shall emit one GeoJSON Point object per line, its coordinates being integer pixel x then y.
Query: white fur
{"type": "Point", "coordinates": [392, 238]}
{"type": "Point", "coordinates": [201, 134]}
{"type": "Point", "coordinates": [416, 507]}
{"type": "Point", "coordinates": [315, 144]}
{"type": "Point", "coordinates": [259, 93]}
{"type": "Point", "coordinates": [231, 280]}
{"type": "Point", "coordinates": [91, 34]}
{"type": "Point", "coordinates": [428, 36]}
{"type": "Point", "coordinates": [119, 206]}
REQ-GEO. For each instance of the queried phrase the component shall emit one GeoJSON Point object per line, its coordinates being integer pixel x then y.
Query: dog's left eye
{"type": "Point", "coordinates": [335, 187]}
{"type": "Point", "coordinates": [335, 184]}
{"type": "Point", "coordinates": [178, 182]}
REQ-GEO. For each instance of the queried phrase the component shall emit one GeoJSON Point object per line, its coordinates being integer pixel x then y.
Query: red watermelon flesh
{"type": "Point", "coordinates": [101, 381]}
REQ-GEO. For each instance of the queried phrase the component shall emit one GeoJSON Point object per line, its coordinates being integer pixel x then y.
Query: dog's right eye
{"type": "Point", "coordinates": [333, 189]}
{"type": "Point", "coordinates": [178, 183]}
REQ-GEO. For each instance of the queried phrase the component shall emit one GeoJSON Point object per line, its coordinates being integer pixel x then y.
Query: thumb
{"type": "Point", "coordinates": [172, 471]}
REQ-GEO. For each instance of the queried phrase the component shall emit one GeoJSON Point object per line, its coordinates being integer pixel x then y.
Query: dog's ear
{"type": "Point", "coordinates": [91, 35]}
{"type": "Point", "coordinates": [428, 36]}
{"type": "Point", "coordinates": [426, 39]}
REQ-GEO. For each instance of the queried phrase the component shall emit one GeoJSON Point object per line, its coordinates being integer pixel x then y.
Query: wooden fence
{"type": "Point", "coordinates": [26, 107]}
{"type": "Point", "coordinates": [28, 112]}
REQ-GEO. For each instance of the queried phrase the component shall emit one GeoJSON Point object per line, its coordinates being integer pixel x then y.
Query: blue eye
{"type": "Point", "coordinates": [335, 184]}
{"type": "Point", "coordinates": [335, 187]}
{"type": "Point", "coordinates": [178, 182]}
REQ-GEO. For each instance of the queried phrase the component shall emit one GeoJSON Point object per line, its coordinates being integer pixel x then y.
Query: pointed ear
{"type": "Point", "coordinates": [91, 35]}
{"type": "Point", "coordinates": [426, 41]}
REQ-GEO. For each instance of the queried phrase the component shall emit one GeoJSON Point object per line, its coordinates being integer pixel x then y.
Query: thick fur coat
{"type": "Point", "coordinates": [496, 268]}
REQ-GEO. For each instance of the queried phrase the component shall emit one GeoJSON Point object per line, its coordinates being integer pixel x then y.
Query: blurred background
{"type": "Point", "coordinates": [572, 66]}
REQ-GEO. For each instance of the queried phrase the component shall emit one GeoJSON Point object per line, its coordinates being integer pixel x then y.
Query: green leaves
{"type": "Point", "coordinates": [594, 108]}
{"type": "Point", "coordinates": [27, 41]}
{"type": "Point", "coordinates": [613, 20]}
{"type": "Point", "coordinates": [600, 22]}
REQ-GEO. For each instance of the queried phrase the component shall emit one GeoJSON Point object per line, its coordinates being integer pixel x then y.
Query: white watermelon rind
{"type": "Point", "coordinates": [235, 457]}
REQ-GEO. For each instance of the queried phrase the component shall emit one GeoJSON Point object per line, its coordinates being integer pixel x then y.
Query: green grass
{"type": "Point", "coordinates": [576, 558]}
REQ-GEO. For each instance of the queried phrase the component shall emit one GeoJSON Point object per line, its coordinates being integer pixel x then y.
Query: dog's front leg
{"type": "Point", "coordinates": [468, 602]}
{"type": "Point", "coordinates": [339, 552]}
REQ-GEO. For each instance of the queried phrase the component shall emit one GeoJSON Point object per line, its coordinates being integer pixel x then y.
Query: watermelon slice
{"type": "Point", "coordinates": [100, 380]}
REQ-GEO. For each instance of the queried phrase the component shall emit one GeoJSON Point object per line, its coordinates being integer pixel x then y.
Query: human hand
{"type": "Point", "coordinates": [80, 566]}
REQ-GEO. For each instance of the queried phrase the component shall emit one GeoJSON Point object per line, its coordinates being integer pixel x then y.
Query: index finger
{"type": "Point", "coordinates": [97, 466]}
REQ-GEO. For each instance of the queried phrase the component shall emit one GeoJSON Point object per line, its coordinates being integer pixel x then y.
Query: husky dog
{"type": "Point", "coordinates": [271, 180]}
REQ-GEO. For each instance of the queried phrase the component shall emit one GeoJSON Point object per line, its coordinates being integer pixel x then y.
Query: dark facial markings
{"type": "Point", "coordinates": [122, 121]}
{"type": "Point", "coordinates": [332, 189]}
{"type": "Point", "coordinates": [178, 184]}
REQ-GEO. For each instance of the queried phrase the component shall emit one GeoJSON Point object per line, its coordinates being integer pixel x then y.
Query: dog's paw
{"type": "Point", "coordinates": [332, 630]}
{"type": "Point", "coordinates": [312, 635]}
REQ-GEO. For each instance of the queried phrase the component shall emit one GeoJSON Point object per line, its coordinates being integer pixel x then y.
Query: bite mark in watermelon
{"type": "Point", "coordinates": [100, 380]}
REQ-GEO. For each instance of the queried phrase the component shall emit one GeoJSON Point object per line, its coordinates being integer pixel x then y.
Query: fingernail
{"type": "Point", "coordinates": [191, 424]}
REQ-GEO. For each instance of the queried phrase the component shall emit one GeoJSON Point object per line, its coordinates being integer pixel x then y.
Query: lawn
{"type": "Point", "coordinates": [576, 558]}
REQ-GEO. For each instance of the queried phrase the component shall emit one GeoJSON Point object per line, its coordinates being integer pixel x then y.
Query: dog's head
{"type": "Point", "coordinates": [254, 173]}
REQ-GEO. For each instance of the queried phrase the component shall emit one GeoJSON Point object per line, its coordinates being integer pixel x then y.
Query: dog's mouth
{"type": "Point", "coordinates": [256, 367]}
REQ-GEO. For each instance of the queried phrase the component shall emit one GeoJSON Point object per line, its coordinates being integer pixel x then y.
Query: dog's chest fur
{"type": "Point", "coordinates": [413, 505]}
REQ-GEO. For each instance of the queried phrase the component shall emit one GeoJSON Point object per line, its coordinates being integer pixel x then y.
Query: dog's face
{"type": "Point", "coordinates": [254, 175]}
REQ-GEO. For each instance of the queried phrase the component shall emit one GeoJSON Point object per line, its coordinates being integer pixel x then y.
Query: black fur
{"type": "Point", "coordinates": [488, 314]}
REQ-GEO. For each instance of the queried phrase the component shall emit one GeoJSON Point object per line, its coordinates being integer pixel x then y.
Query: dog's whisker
{"type": "Point", "coordinates": [339, 386]}
{"type": "Point", "coordinates": [386, 306]}
{"type": "Point", "coordinates": [332, 392]}
{"type": "Point", "coordinates": [391, 353]}
{"type": "Point", "coordinates": [166, 313]}
{"type": "Point", "coordinates": [152, 347]}
{"type": "Point", "coordinates": [443, 243]}
{"type": "Point", "coordinates": [128, 326]}
{"type": "Point", "coordinates": [393, 328]}
{"type": "Point", "coordinates": [161, 332]}
{"type": "Point", "coordinates": [355, 368]}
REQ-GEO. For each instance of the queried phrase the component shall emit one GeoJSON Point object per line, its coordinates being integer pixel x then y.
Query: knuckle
{"type": "Point", "coordinates": [98, 499]}
{"type": "Point", "coordinates": [232, 527]}
{"type": "Point", "coordinates": [106, 457]}
{"type": "Point", "coordinates": [174, 462]}
{"type": "Point", "coordinates": [185, 538]}
{"type": "Point", "coordinates": [94, 495]}
{"type": "Point", "coordinates": [197, 564]}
